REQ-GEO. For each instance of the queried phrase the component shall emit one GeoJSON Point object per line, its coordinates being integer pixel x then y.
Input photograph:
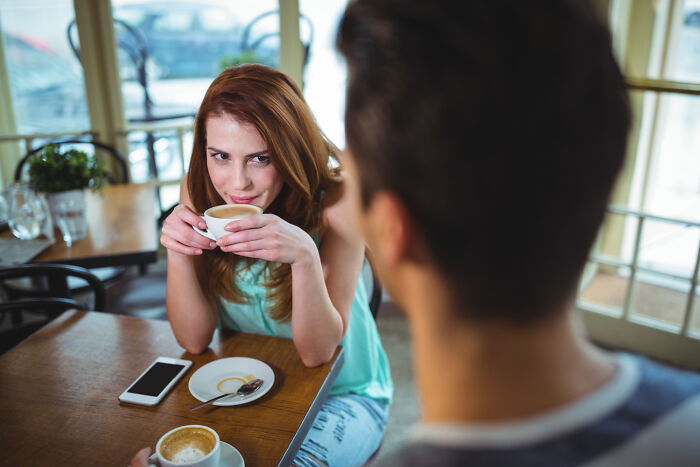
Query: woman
{"type": "Point", "coordinates": [292, 271]}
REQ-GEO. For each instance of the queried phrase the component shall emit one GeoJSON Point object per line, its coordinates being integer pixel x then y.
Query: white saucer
{"type": "Point", "coordinates": [230, 457]}
{"type": "Point", "coordinates": [226, 375]}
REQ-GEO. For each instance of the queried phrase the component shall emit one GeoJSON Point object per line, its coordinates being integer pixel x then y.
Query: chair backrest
{"type": "Point", "coordinates": [49, 307]}
{"type": "Point", "coordinates": [97, 147]}
{"type": "Point", "coordinates": [57, 278]}
{"type": "Point", "coordinates": [375, 297]}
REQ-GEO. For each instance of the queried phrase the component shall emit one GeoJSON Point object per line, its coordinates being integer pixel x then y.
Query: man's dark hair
{"type": "Point", "coordinates": [501, 125]}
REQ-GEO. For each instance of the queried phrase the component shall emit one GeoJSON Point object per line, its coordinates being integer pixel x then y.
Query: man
{"type": "Point", "coordinates": [486, 137]}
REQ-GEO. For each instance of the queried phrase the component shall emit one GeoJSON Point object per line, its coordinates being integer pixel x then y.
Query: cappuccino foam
{"type": "Point", "coordinates": [188, 454]}
{"type": "Point", "coordinates": [187, 445]}
{"type": "Point", "coordinates": [233, 210]}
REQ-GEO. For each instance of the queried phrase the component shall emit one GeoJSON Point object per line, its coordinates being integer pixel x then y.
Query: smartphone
{"type": "Point", "coordinates": [156, 381]}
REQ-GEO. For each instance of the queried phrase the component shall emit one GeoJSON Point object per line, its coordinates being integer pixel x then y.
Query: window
{"type": "Point", "coordinates": [169, 54]}
{"type": "Point", "coordinates": [325, 72]}
{"type": "Point", "coordinates": [645, 265]}
{"type": "Point", "coordinates": [45, 78]}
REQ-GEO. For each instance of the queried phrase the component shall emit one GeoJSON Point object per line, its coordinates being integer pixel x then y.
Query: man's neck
{"type": "Point", "coordinates": [469, 372]}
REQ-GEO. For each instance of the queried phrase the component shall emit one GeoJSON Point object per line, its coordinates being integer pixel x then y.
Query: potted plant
{"type": "Point", "coordinates": [64, 177]}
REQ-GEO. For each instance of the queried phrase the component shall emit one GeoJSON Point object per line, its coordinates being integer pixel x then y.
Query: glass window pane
{"type": "Point", "coordinates": [685, 59]}
{"type": "Point", "coordinates": [669, 247]}
{"type": "Point", "coordinates": [46, 79]}
{"type": "Point", "coordinates": [606, 288]}
{"type": "Point", "coordinates": [660, 298]}
{"type": "Point", "coordinates": [616, 239]}
{"type": "Point", "coordinates": [325, 72]}
{"type": "Point", "coordinates": [168, 55]}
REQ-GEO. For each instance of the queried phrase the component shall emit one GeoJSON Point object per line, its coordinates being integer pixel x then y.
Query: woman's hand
{"type": "Point", "coordinates": [268, 237]}
{"type": "Point", "coordinates": [179, 236]}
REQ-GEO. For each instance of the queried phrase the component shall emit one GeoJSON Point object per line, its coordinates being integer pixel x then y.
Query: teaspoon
{"type": "Point", "coordinates": [244, 390]}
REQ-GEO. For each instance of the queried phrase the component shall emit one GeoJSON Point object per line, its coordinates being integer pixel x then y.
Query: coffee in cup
{"type": "Point", "coordinates": [218, 216]}
{"type": "Point", "coordinates": [232, 211]}
{"type": "Point", "coordinates": [190, 445]}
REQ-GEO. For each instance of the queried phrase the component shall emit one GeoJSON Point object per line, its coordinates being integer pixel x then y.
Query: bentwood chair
{"type": "Point", "coordinates": [50, 280]}
{"type": "Point", "coordinates": [21, 317]}
{"type": "Point", "coordinates": [41, 310]}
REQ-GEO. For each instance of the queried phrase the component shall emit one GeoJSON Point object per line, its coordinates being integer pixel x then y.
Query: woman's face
{"type": "Point", "coordinates": [238, 163]}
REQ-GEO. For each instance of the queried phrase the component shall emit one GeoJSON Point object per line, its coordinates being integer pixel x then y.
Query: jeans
{"type": "Point", "coordinates": [347, 430]}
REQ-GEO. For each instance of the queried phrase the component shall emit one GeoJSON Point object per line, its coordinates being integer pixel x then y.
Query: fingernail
{"type": "Point", "coordinates": [202, 225]}
{"type": "Point", "coordinates": [212, 244]}
{"type": "Point", "coordinates": [199, 252]}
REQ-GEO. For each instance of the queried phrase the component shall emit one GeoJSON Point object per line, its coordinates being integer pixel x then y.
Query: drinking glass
{"type": "Point", "coordinates": [4, 208]}
{"type": "Point", "coordinates": [71, 219]}
{"type": "Point", "coordinates": [27, 213]}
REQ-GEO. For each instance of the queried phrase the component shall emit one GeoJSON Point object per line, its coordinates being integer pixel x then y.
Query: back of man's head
{"type": "Point", "coordinates": [501, 125]}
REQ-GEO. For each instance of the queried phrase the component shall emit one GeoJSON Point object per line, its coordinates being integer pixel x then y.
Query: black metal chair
{"type": "Point", "coordinates": [51, 297]}
{"type": "Point", "coordinates": [51, 280]}
{"type": "Point", "coordinates": [48, 308]}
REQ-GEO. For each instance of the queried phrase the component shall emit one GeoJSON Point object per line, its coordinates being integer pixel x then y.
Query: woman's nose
{"type": "Point", "coordinates": [240, 179]}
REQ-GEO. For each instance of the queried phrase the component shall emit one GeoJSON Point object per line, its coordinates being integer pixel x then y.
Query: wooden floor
{"type": "Point", "coordinates": [648, 300]}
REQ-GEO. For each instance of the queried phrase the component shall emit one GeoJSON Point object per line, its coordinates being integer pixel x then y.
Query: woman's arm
{"type": "Point", "coordinates": [192, 313]}
{"type": "Point", "coordinates": [315, 315]}
{"type": "Point", "coordinates": [323, 282]}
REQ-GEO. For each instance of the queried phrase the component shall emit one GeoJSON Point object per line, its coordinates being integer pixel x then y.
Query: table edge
{"type": "Point", "coordinates": [315, 406]}
{"type": "Point", "coordinates": [120, 259]}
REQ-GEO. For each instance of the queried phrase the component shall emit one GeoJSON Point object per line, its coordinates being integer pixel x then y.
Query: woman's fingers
{"type": "Point", "coordinates": [178, 247]}
{"type": "Point", "coordinates": [186, 215]}
{"type": "Point", "coordinates": [261, 244]}
{"type": "Point", "coordinates": [178, 235]}
{"type": "Point", "coordinates": [242, 236]}
{"type": "Point", "coordinates": [255, 221]}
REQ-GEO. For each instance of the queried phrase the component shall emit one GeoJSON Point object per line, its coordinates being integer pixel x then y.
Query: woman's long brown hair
{"type": "Point", "coordinates": [270, 101]}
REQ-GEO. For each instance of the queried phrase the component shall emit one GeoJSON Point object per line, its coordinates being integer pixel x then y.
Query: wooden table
{"type": "Point", "coordinates": [59, 389]}
{"type": "Point", "coordinates": [121, 230]}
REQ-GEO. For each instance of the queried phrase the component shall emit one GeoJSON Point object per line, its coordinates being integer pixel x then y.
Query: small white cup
{"type": "Point", "coordinates": [179, 446]}
{"type": "Point", "coordinates": [218, 216]}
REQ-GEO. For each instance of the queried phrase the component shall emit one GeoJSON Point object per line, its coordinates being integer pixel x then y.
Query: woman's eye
{"type": "Point", "coordinates": [261, 160]}
{"type": "Point", "coordinates": [219, 156]}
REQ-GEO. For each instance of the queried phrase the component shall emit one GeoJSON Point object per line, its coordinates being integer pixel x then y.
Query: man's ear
{"type": "Point", "coordinates": [390, 229]}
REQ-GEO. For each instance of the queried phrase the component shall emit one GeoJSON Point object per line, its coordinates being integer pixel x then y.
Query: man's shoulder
{"type": "Point", "coordinates": [422, 454]}
{"type": "Point", "coordinates": [656, 420]}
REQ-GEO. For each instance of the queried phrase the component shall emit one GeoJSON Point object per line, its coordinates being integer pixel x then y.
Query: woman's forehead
{"type": "Point", "coordinates": [232, 134]}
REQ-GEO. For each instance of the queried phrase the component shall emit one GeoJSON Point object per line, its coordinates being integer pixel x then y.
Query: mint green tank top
{"type": "Point", "coordinates": [366, 368]}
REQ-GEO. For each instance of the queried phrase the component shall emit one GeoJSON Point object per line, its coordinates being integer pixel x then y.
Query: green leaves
{"type": "Point", "coordinates": [51, 171]}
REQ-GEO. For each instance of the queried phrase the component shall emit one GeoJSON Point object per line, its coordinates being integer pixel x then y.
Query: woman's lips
{"type": "Point", "coordinates": [246, 200]}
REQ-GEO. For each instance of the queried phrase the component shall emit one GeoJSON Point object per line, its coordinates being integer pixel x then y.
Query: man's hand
{"type": "Point", "coordinates": [141, 458]}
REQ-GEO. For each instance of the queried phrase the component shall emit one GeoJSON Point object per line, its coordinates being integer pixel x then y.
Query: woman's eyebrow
{"type": "Point", "coordinates": [253, 154]}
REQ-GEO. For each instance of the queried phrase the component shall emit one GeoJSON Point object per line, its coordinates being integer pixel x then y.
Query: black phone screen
{"type": "Point", "coordinates": [155, 379]}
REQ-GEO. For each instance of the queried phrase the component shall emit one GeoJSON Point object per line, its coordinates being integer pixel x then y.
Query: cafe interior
{"type": "Point", "coordinates": [120, 81]}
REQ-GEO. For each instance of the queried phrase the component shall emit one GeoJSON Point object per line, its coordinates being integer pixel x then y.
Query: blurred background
{"type": "Point", "coordinates": [131, 74]}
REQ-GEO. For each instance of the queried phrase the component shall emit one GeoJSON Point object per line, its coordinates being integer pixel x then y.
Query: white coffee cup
{"type": "Point", "coordinates": [188, 445]}
{"type": "Point", "coordinates": [218, 216]}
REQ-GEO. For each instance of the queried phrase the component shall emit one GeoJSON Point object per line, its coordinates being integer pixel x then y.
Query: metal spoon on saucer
{"type": "Point", "coordinates": [248, 388]}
